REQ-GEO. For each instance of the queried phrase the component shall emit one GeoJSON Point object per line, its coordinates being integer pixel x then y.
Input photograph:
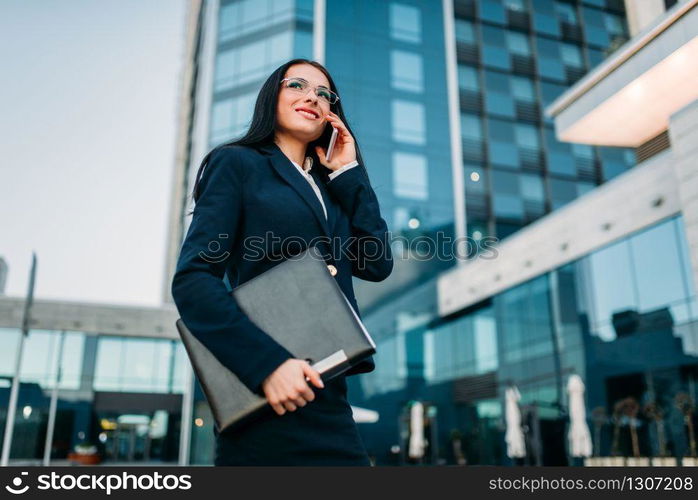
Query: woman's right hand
{"type": "Point", "coordinates": [286, 388]}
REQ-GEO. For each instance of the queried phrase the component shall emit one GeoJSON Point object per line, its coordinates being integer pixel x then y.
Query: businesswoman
{"type": "Point", "coordinates": [275, 185]}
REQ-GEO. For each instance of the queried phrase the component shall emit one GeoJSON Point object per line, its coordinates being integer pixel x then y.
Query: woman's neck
{"type": "Point", "coordinates": [291, 147]}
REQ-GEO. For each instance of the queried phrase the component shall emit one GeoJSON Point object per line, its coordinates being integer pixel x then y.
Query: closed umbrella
{"type": "Point", "coordinates": [578, 436]}
{"type": "Point", "coordinates": [416, 446]}
{"type": "Point", "coordinates": [516, 448]}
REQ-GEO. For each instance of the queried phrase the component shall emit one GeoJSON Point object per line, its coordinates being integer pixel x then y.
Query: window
{"type": "Point", "coordinates": [498, 98]}
{"type": "Point", "coordinates": [571, 55]}
{"type": "Point", "coordinates": [532, 188]}
{"type": "Point", "coordinates": [495, 52]}
{"type": "Point", "coordinates": [245, 16]}
{"type": "Point", "coordinates": [405, 23]}
{"type": "Point", "coordinates": [549, 59]}
{"type": "Point", "coordinates": [406, 70]}
{"type": "Point", "coordinates": [518, 44]}
{"type": "Point", "coordinates": [231, 117]}
{"type": "Point", "coordinates": [503, 150]}
{"type": "Point", "coordinates": [410, 176]}
{"type": "Point", "coordinates": [467, 78]}
{"type": "Point", "coordinates": [566, 13]}
{"type": "Point", "coordinates": [250, 62]}
{"type": "Point", "coordinates": [522, 89]}
{"type": "Point", "coordinates": [506, 195]}
{"type": "Point", "coordinates": [526, 136]}
{"type": "Point", "coordinates": [470, 127]}
{"type": "Point", "coordinates": [408, 122]}
{"type": "Point", "coordinates": [465, 33]}
{"type": "Point", "coordinates": [515, 5]}
{"type": "Point", "coordinates": [492, 11]}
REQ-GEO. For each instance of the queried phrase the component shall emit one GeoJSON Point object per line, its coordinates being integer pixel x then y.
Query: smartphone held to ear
{"type": "Point", "coordinates": [330, 148]}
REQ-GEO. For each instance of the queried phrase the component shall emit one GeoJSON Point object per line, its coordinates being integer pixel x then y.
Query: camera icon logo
{"type": "Point", "coordinates": [17, 482]}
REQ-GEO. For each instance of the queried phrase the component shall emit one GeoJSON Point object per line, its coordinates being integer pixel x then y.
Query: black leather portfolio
{"type": "Point", "coordinates": [299, 304]}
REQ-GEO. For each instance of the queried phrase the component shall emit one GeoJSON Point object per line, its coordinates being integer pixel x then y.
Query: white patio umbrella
{"type": "Point", "coordinates": [516, 447]}
{"type": "Point", "coordinates": [579, 436]}
{"type": "Point", "coordinates": [416, 446]}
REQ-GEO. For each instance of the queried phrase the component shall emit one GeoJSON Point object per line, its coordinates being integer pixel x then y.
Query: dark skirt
{"type": "Point", "coordinates": [323, 432]}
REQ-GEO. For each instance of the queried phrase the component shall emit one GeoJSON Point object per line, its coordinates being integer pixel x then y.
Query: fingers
{"type": "Point", "coordinates": [336, 122]}
{"type": "Point", "coordinates": [313, 375]}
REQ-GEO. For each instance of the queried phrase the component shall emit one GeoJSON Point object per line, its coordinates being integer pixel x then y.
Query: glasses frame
{"type": "Point", "coordinates": [315, 89]}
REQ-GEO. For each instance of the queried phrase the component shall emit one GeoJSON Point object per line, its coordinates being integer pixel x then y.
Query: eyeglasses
{"type": "Point", "coordinates": [301, 86]}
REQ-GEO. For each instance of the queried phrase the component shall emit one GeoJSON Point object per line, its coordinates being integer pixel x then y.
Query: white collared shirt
{"type": "Point", "coordinates": [305, 172]}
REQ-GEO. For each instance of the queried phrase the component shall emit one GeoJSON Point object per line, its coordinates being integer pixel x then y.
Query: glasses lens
{"type": "Point", "coordinates": [296, 84]}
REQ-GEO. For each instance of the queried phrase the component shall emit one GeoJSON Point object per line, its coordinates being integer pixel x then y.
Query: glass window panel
{"type": "Point", "coordinates": [465, 32]}
{"type": "Point", "coordinates": [71, 362]}
{"type": "Point", "coordinates": [658, 267]}
{"type": "Point", "coordinates": [405, 23]}
{"type": "Point", "coordinates": [9, 344]}
{"type": "Point", "coordinates": [38, 366]}
{"type": "Point", "coordinates": [522, 89]}
{"type": "Point", "coordinates": [108, 366]}
{"type": "Point", "coordinates": [410, 176]}
{"type": "Point", "coordinates": [498, 98]}
{"type": "Point", "coordinates": [492, 11]}
{"type": "Point", "coordinates": [304, 44]}
{"type": "Point", "coordinates": [614, 24]}
{"type": "Point", "coordinates": [549, 59]}
{"type": "Point", "coordinates": [406, 70]}
{"type": "Point", "coordinates": [571, 55]}
{"type": "Point", "coordinates": [532, 188]}
{"type": "Point", "coordinates": [518, 44]}
{"type": "Point", "coordinates": [408, 122]}
{"type": "Point", "coordinates": [609, 282]}
{"type": "Point", "coordinates": [467, 78]}
{"type": "Point", "coordinates": [544, 18]}
{"type": "Point", "coordinates": [527, 136]}
{"type": "Point", "coordinates": [502, 146]}
{"type": "Point", "coordinates": [595, 30]}
{"type": "Point", "coordinates": [494, 50]}
{"type": "Point", "coordinates": [566, 13]}
{"type": "Point", "coordinates": [470, 127]}
{"type": "Point", "coordinates": [562, 192]}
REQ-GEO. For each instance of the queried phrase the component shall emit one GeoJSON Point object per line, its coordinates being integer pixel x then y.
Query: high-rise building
{"type": "Point", "coordinates": [448, 102]}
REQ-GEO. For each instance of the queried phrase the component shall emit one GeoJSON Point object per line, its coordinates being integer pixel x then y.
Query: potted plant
{"type": "Point", "coordinates": [630, 408]}
{"type": "Point", "coordinates": [600, 418]}
{"type": "Point", "coordinates": [655, 414]}
{"type": "Point", "coordinates": [456, 443]}
{"type": "Point", "coordinates": [685, 404]}
{"type": "Point", "coordinates": [616, 459]}
{"type": "Point", "coordinates": [85, 454]}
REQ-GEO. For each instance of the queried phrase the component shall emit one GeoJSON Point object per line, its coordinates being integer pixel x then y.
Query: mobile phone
{"type": "Point", "coordinates": [330, 148]}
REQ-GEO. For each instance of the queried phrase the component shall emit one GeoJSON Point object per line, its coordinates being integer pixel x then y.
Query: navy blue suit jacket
{"type": "Point", "coordinates": [254, 209]}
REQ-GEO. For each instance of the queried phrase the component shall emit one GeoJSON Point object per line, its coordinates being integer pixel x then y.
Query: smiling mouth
{"type": "Point", "coordinates": [307, 114]}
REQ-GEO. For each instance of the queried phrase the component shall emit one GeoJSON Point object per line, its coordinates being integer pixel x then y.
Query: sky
{"type": "Point", "coordinates": [88, 102]}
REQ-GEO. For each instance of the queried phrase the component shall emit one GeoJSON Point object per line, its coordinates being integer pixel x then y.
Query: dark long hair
{"type": "Point", "coordinates": [263, 125]}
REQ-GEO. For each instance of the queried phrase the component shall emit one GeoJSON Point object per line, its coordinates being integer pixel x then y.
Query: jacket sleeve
{"type": "Point", "coordinates": [369, 250]}
{"type": "Point", "coordinates": [200, 294]}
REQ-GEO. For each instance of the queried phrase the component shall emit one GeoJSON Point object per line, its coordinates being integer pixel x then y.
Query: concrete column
{"type": "Point", "coordinates": [683, 134]}
{"type": "Point", "coordinates": [641, 13]}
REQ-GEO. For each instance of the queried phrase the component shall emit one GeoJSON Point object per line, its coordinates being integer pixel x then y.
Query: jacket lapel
{"type": "Point", "coordinates": [288, 173]}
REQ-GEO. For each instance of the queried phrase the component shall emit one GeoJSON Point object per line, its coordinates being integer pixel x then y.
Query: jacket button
{"type": "Point", "coordinates": [332, 269]}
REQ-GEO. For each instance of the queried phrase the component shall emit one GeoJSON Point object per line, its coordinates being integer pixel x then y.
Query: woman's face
{"type": "Point", "coordinates": [288, 118]}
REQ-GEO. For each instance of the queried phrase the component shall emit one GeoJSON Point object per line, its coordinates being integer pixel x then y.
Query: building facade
{"type": "Point", "coordinates": [447, 100]}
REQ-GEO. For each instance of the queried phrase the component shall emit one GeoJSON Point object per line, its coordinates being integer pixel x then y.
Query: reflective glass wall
{"type": "Point", "coordinates": [121, 395]}
{"type": "Point", "coordinates": [254, 38]}
{"type": "Point", "coordinates": [514, 58]}
{"type": "Point", "coordinates": [624, 318]}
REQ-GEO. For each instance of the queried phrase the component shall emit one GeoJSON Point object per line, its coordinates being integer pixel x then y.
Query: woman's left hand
{"type": "Point", "coordinates": [344, 149]}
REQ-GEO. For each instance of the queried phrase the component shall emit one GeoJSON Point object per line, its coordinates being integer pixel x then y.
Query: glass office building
{"type": "Point", "coordinates": [122, 395]}
{"type": "Point", "coordinates": [623, 319]}
{"type": "Point", "coordinates": [389, 60]}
